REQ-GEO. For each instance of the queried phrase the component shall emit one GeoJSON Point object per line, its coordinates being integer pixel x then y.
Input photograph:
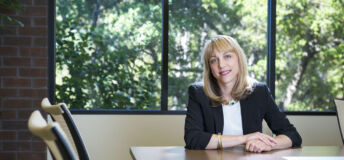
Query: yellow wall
{"type": "Point", "coordinates": [110, 136]}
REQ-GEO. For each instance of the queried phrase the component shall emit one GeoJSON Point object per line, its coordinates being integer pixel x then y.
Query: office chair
{"type": "Point", "coordinates": [340, 116]}
{"type": "Point", "coordinates": [52, 135]}
{"type": "Point", "coordinates": [62, 115]}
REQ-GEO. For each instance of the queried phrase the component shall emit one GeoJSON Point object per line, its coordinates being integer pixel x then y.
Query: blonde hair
{"type": "Point", "coordinates": [243, 85]}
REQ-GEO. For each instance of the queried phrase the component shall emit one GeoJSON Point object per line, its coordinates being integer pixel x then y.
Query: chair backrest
{"type": "Point", "coordinates": [340, 116]}
{"type": "Point", "coordinates": [52, 135]}
{"type": "Point", "coordinates": [61, 114]}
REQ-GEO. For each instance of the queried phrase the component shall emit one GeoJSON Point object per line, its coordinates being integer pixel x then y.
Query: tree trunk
{"type": "Point", "coordinates": [301, 68]}
{"type": "Point", "coordinates": [95, 14]}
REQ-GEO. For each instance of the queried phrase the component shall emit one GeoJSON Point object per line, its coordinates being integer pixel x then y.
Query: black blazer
{"type": "Point", "coordinates": [202, 120]}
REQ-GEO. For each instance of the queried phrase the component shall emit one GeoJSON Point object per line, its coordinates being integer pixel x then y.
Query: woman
{"type": "Point", "coordinates": [228, 109]}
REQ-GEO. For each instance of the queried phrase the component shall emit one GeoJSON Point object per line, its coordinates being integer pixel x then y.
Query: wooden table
{"type": "Point", "coordinates": [180, 153]}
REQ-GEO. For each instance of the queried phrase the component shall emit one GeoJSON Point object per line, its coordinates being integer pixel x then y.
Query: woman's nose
{"type": "Point", "coordinates": [221, 63]}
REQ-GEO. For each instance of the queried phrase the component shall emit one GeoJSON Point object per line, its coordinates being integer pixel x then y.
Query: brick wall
{"type": "Point", "coordinates": [23, 79]}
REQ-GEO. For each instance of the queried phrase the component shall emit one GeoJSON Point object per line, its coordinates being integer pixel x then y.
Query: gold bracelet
{"type": "Point", "coordinates": [219, 141]}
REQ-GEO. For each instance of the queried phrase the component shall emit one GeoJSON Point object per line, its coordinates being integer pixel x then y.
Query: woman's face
{"type": "Point", "coordinates": [224, 67]}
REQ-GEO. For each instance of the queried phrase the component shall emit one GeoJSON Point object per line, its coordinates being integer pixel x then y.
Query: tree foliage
{"type": "Point", "coordinates": [108, 52]}
{"type": "Point", "coordinates": [9, 6]}
{"type": "Point", "coordinates": [310, 61]}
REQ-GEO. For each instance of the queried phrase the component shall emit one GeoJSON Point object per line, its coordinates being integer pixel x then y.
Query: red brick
{"type": "Point", "coordinates": [6, 92]}
{"type": "Point", "coordinates": [20, 42]}
{"type": "Point", "coordinates": [42, 52]}
{"type": "Point", "coordinates": [40, 83]}
{"type": "Point", "coordinates": [41, 62]}
{"type": "Point", "coordinates": [33, 31]}
{"type": "Point", "coordinates": [39, 146]}
{"type": "Point", "coordinates": [24, 114]}
{"type": "Point", "coordinates": [40, 2]}
{"type": "Point", "coordinates": [37, 103]}
{"type": "Point", "coordinates": [17, 146]}
{"type": "Point", "coordinates": [34, 11]}
{"type": "Point", "coordinates": [32, 155]}
{"type": "Point", "coordinates": [7, 135]}
{"type": "Point", "coordinates": [33, 72]}
{"type": "Point", "coordinates": [40, 42]}
{"type": "Point", "coordinates": [8, 51]}
{"type": "Point", "coordinates": [35, 93]}
{"type": "Point", "coordinates": [17, 41]}
{"type": "Point", "coordinates": [17, 61]}
{"type": "Point", "coordinates": [8, 31]}
{"type": "Point", "coordinates": [8, 71]}
{"type": "Point", "coordinates": [8, 156]}
{"type": "Point", "coordinates": [26, 2]}
{"type": "Point", "coordinates": [14, 125]}
{"type": "Point", "coordinates": [17, 103]}
{"type": "Point", "coordinates": [40, 21]}
{"type": "Point", "coordinates": [8, 114]}
{"type": "Point", "coordinates": [16, 82]}
{"type": "Point", "coordinates": [25, 135]}
{"type": "Point", "coordinates": [25, 20]}
{"type": "Point", "coordinates": [7, 12]}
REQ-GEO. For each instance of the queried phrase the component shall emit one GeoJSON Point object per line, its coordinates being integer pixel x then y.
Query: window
{"type": "Point", "coordinates": [192, 23]}
{"type": "Point", "coordinates": [110, 54]}
{"type": "Point", "coordinates": [310, 61]}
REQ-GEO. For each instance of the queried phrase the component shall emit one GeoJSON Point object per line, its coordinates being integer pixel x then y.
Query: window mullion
{"type": "Point", "coordinates": [271, 46]}
{"type": "Point", "coordinates": [51, 51]}
{"type": "Point", "coordinates": [164, 48]}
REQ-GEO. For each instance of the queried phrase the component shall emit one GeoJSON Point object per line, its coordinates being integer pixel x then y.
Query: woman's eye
{"type": "Point", "coordinates": [228, 56]}
{"type": "Point", "coordinates": [212, 61]}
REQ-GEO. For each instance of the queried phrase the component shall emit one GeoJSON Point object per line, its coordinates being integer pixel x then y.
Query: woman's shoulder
{"type": "Point", "coordinates": [259, 87]}
{"type": "Point", "coordinates": [196, 89]}
{"type": "Point", "coordinates": [196, 85]}
{"type": "Point", "coordinates": [258, 84]}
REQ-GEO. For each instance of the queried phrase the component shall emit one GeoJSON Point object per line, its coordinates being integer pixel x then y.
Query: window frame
{"type": "Point", "coordinates": [271, 56]}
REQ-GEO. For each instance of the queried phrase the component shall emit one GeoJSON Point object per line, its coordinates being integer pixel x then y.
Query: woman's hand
{"type": "Point", "coordinates": [268, 140]}
{"type": "Point", "coordinates": [257, 146]}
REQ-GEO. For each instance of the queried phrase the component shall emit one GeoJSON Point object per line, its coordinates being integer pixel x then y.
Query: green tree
{"type": "Point", "coordinates": [193, 22]}
{"type": "Point", "coordinates": [309, 54]}
{"type": "Point", "coordinates": [109, 52]}
{"type": "Point", "coordinates": [9, 6]}
{"type": "Point", "coordinates": [111, 61]}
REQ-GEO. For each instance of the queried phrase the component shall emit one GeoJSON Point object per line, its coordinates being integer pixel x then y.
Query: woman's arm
{"type": "Point", "coordinates": [230, 141]}
{"type": "Point", "coordinates": [227, 141]}
{"type": "Point", "coordinates": [287, 135]}
{"type": "Point", "coordinates": [283, 141]}
{"type": "Point", "coordinates": [279, 123]}
{"type": "Point", "coordinates": [194, 135]}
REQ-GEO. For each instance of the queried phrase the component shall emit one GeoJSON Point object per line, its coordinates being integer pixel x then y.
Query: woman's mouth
{"type": "Point", "coordinates": [224, 73]}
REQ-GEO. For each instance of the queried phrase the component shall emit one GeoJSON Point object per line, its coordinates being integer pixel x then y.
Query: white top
{"type": "Point", "coordinates": [232, 119]}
